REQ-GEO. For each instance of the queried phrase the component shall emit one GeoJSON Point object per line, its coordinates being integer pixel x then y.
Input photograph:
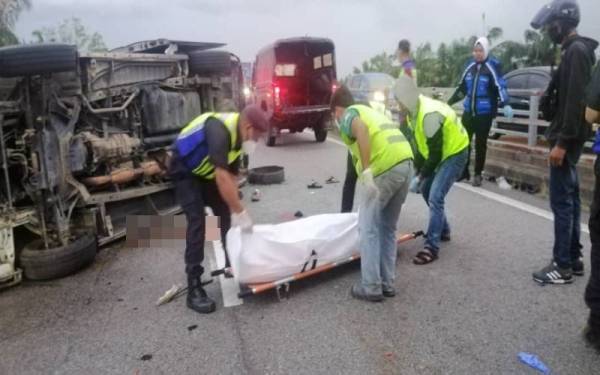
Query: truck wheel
{"type": "Point", "coordinates": [17, 61]}
{"type": "Point", "coordinates": [320, 134]}
{"type": "Point", "coordinates": [41, 264]}
{"type": "Point", "coordinates": [210, 62]}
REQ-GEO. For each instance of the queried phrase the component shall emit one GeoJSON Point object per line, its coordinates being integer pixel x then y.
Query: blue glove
{"type": "Point", "coordinates": [508, 112]}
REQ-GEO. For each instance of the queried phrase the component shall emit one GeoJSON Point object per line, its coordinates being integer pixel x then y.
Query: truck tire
{"type": "Point", "coordinates": [268, 175]}
{"type": "Point", "coordinates": [320, 134]}
{"type": "Point", "coordinates": [210, 62]}
{"type": "Point", "coordinates": [17, 61]}
{"type": "Point", "coordinates": [59, 261]}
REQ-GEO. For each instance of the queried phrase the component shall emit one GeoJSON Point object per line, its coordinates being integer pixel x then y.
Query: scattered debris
{"type": "Point", "coordinates": [534, 362]}
{"type": "Point", "coordinates": [146, 357]}
{"type": "Point", "coordinates": [171, 294]}
{"type": "Point", "coordinates": [256, 195]}
{"type": "Point", "coordinates": [298, 214]}
{"type": "Point", "coordinates": [120, 300]}
{"type": "Point", "coordinates": [314, 185]}
{"type": "Point", "coordinates": [503, 184]}
{"type": "Point", "coordinates": [192, 327]}
{"type": "Point", "coordinates": [332, 180]}
{"type": "Point", "coordinates": [389, 356]}
{"type": "Point", "coordinates": [141, 278]}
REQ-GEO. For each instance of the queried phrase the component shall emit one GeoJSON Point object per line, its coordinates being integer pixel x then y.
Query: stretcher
{"type": "Point", "coordinates": [275, 256]}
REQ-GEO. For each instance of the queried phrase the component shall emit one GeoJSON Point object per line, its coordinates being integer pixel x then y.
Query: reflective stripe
{"type": "Point", "coordinates": [389, 126]}
{"type": "Point", "coordinates": [396, 139]}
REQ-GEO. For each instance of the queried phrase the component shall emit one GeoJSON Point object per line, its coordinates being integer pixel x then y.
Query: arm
{"type": "Point", "coordinates": [592, 112]}
{"type": "Point", "coordinates": [360, 132]}
{"type": "Point", "coordinates": [227, 184]}
{"type": "Point", "coordinates": [499, 83]}
{"type": "Point", "coordinates": [578, 73]}
{"type": "Point", "coordinates": [461, 90]}
{"type": "Point", "coordinates": [432, 124]}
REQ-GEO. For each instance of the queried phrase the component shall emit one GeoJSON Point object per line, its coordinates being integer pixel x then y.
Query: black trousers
{"type": "Point", "coordinates": [479, 126]}
{"type": "Point", "coordinates": [349, 186]}
{"type": "Point", "coordinates": [592, 292]}
{"type": "Point", "coordinates": [194, 195]}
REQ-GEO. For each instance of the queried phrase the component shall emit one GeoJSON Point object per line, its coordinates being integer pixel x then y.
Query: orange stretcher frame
{"type": "Point", "coordinates": [252, 289]}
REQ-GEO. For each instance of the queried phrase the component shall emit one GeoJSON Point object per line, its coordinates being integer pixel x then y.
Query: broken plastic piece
{"type": "Point", "coordinates": [169, 294]}
{"type": "Point", "coordinates": [534, 362]}
{"type": "Point", "coordinates": [332, 180]}
{"type": "Point", "coordinates": [314, 185]}
{"type": "Point", "coordinates": [503, 184]}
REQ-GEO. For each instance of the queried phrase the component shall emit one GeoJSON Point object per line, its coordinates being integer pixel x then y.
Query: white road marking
{"type": "Point", "coordinates": [501, 199]}
{"type": "Point", "coordinates": [515, 204]}
{"type": "Point", "coordinates": [229, 287]}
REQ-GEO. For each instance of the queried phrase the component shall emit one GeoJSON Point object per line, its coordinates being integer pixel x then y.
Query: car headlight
{"type": "Point", "coordinates": [247, 92]}
{"type": "Point", "coordinates": [378, 96]}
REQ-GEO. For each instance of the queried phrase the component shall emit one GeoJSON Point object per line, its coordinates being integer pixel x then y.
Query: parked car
{"type": "Point", "coordinates": [531, 79]}
{"type": "Point", "coordinates": [293, 80]}
{"type": "Point", "coordinates": [85, 139]}
{"type": "Point", "coordinates": [369, 87]}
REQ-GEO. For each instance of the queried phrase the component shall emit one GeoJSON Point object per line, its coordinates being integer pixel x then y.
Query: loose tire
{"type": "Point", "coordinates": [17, 61]}
{"type": "Point", "coordinates": [266, 175]}
{"type": "Point", "coordinates": [57, 262]}
{"type": "Point", "coordinates": [210, 62]}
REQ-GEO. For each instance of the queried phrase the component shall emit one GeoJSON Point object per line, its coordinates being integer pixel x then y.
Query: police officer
{"type": "Point", "coordinates": [382, 158]}
{"type": "Point", "coordinates": [442, 146]}
{"type": "Point", "coordinates": [206, 159]}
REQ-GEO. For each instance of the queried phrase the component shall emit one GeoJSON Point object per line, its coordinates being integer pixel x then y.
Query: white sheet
{"type": "Point", "coordinates": [272, 252]}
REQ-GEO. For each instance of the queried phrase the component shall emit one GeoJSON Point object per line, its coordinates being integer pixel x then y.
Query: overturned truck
{"type": "Point", "coordinates": [84, 142]}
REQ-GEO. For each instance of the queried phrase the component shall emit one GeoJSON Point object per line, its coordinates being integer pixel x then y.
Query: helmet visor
{"type": "Point", "coordinates": [543, 17]}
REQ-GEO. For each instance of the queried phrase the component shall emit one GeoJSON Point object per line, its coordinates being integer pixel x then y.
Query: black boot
{"type": "Point", "coordinates": [197, 299]}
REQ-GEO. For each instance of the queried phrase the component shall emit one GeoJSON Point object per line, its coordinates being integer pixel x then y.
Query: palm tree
{"type": "Point", "coordinates": [9, 13]}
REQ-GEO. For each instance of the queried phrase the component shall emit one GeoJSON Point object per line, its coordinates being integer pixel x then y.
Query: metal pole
{"type": "Point", "coordinates": [534, 112]}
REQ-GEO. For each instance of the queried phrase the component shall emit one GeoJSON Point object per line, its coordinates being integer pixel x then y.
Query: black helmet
{"type": "Point", "coordinates": [564, 10]}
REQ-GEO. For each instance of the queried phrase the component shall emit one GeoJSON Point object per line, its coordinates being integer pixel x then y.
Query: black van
{"type": "Point", "coordinates": [293, 80]}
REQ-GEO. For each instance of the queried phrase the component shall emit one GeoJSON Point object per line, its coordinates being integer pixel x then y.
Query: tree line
{"type": "Point", "coordinates": [442, 67]}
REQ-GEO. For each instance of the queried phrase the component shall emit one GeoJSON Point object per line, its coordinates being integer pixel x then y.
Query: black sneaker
{"type": "Point", "coordinates": [445, 237]}
{"type": "Point", "coordinates": [359, 292]}
{"type": "Point", "coordinates": [578, 267]}
{"type": "Point", "coordinates": [552, 274]}
{"type": "Point", "coordinates": [388, 291]}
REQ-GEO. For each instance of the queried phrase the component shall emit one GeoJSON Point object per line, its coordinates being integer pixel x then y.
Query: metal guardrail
{"type": "Point", "coordinates": [529, 119]}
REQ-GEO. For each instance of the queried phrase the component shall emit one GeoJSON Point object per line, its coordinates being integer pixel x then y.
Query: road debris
{"type": "Point", "coordinates": [332, 180]}
{"type": "Point", "coordinates": [256, 195]}
{"type": "Point", "coordinates": [192, 327]}
{"type": "Point", "coordinates": [503, 184]}
{"type": "Point", "coordinates": [146, 357]}
{"type": "Point", "coordinates": [171, 294]}
{"type": "Point", "coordinates": [298, 214]}
{"type": "Point", "coordinates": [314, 185]}
{"type": "Point", "coordinates": [534, 362]}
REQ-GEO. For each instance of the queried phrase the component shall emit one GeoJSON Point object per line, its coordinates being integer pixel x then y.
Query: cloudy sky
{"type": "Point", "coordinates": [359, 28]}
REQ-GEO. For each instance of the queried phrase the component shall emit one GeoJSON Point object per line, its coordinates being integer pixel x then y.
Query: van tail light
{"type": "Point", "coordinates": [277, 96]}
{"type": "Point", "coordinates": [334, 88]}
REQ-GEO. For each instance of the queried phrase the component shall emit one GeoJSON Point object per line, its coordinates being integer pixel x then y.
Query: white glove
{"type": "Point", "coordinates": [243, 220]}
{"type": "Point", "coordinates": [371, 189]}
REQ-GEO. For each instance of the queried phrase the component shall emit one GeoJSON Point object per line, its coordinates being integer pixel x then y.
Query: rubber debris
{"type": "Point", "coordinates": [314, 185]}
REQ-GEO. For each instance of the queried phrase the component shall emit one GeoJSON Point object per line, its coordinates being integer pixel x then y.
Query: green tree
{"type": "Point", "coordinates": [71, 31]}
{"type": "Point", "coordinates": [9, 14]}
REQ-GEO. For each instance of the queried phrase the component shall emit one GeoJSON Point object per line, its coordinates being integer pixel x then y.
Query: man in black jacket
{"type": "Point", "coordinates": [592, 292]}
{"type": "Point", "coordinates": [566, 134]}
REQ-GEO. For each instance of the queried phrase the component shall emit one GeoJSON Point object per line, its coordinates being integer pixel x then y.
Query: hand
{"type": "Point", "coordinates": [415, 185]}
{"type": "Point", "coordinates": [371, 189]}
{"type": "Point", "coordinates": [557, 156]}
{"type": "Point", "coordinates": [243, 220]}
{"type": "Point", "coordinates": [508, 112]}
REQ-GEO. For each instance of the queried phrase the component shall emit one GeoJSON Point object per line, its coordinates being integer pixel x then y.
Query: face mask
{"type": "Point", "coordinates": [556, 34]}
{"type": "Point", "coordinates": [249, 146]}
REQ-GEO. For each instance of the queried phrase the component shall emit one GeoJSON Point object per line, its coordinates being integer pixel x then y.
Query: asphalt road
{"type": "Point", "coordinates": [471, 312]}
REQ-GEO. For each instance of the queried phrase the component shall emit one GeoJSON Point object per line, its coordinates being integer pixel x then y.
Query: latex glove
{"type": "Point", "coordinates": [243, 220]}
{"type": "Point", "coordinates": [371, 190]}
{"type": "Point", "coordinates": [508, 112]}
{"type": "Point", "coordinates": [415, 185]}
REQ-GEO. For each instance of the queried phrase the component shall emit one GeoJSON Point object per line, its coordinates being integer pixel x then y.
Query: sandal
{"type": "Point", "coordinates": [424, 257]}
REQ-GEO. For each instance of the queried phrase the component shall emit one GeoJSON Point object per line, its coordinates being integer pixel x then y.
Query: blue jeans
{"type": "Point", "coordinates": [566, 206]}
{"type": "Point", "coordinates": [434, 189]}
{"type": "Point", "coordinates": [377, 220]}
